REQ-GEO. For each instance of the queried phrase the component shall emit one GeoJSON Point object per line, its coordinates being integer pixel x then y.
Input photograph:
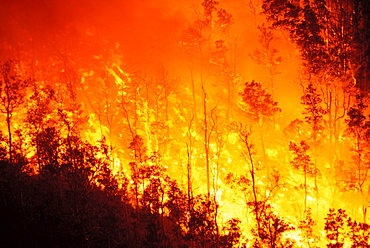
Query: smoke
{"type": "Point", "coordinates": [145, 29]}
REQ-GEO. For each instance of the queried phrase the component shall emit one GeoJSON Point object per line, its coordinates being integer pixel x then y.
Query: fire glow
{"type": "Point", "coordinates": [192, 124]}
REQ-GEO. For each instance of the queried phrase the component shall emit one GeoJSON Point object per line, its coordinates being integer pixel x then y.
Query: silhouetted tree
{"type": "Point", "coordinates": [257, 103]}
{"type": "Point", "coordinates": [302, 161]}
{"type": "Point", "coordinates": [306, 226]}
{"type": "Point", "coordinates": [267, 58]}
{"type": "Point", "coordinates": [359, 233]}
{"type": "Point", "coordinates": [260, 108]}
{"type": "Point", "coordinates": [359, 129]}
{"type": "Point", "coordinates": [314, 112]}
{"type": "Point", "coordinates": [231, 234]}
{"type": "Point", "coordinates": [12, 93]}
{"type": "Point", "coordinates": [39, 115]}
{"type": "Point", "coordinates": [270, 231]}
{"type": "Point", "coordinates": [334, 227]}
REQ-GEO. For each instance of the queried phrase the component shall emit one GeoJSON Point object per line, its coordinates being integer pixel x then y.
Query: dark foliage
{"type": "Point", "coordinates": [333, 37]}
{"type": "Point", "coordinates": [270, 228]}
{"type": "Point", "coordinates": [75, 201]}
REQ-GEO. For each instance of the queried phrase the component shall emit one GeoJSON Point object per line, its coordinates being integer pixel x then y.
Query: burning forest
{"type": "Point", "coordinates": [211, 123]}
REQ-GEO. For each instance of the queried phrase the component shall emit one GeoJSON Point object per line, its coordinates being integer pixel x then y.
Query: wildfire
{"type": "Point", "coordinates": [221, 124]}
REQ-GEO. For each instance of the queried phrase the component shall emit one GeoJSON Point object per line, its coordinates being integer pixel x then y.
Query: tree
{"type": "Point", "coordinates": [257, 202]}
{"type": "Point", "coordinates": [359, 233]}
{"type": "Point", "coordinates": [267, 58]}
{"type": "Point", "coordinates": [257, 103]}
{"type": "Point", "coordinates": [314, 112]}
{"type": "Point", "coordinates": [209, 7]}
{"type": "Point", "coordinates": [334, 228]}
{"type": "Point", "coordinates": [224, 58]}
{"type": "Point", "coordinates": [360, 23]}
{"type": "Point", "coordinates": [359, 129]}
{"type": "Point", "coordinates": [231, 234]}
{"type": "Point", "coordinates": [244, 135]}
{"type": "Point", "coordinates": [202, 223]}
{"type": "Point", "coordinates": [314, 116]}
{"type": "Point", "coordinates": [271, 228]}
{"type": "Point", "coordinates": [304, 22]}
{"type": "Point", "coordinates": [260, 108]}
{"type": "Point", "coordinates": [306, 226]}
{"type": "Point", "coordinates": [12, 93]}
{"type": "Point", "coordinates": [39, 114]}
{"type": "Point", "coordinates": [302, 161]}
{"type": "Point", "coordinates": [161, 90]}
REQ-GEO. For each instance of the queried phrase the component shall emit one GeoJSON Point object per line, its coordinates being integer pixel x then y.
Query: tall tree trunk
{"type": "Point", "coordinates": [8, 122]}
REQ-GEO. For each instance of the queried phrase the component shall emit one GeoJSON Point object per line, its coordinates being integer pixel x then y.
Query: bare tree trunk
{"type": "Point", "coordinates": [206, 140]}
{"type": "Point", "coordinates": [8, 123]}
